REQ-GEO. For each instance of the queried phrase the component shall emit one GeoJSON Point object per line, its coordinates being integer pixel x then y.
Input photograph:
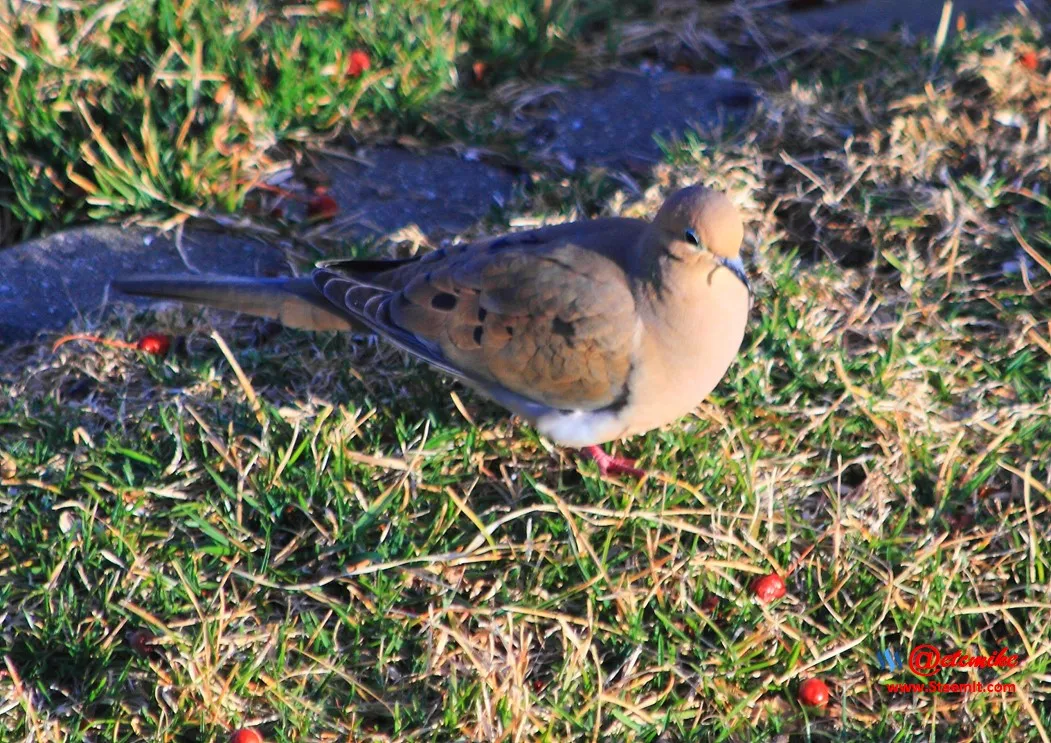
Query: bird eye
{"type": "Point", "coordinates": [691, 238]}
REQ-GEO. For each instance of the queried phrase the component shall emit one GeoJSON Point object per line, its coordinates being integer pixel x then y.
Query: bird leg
{"type": "Point", "coordinates": [611, 465]}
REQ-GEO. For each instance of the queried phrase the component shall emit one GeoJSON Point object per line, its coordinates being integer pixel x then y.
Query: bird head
{"type": "Point", "coordinates": [697, 225]}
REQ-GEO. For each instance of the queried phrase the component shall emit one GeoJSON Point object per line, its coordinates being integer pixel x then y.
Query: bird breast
{"type": "Point", "coordinates": [686, 350]}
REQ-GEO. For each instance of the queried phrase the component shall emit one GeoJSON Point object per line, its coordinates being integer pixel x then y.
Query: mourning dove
{"type": "Point", "coordinates": [591, 331]}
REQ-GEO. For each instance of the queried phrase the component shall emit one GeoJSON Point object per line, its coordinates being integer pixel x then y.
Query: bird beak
{"type": "Point", "coordinates": [737, 266]}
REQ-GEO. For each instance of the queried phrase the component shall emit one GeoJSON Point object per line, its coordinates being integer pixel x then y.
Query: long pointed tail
{"type": "Point", "coordinates": [294, 302]}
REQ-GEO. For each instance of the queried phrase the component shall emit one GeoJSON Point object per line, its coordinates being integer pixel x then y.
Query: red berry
{"type": "Point", "coordinates": [246, 735]}
{"type": "Point", "coordinates": [155, 343]}
{"type": "Point", "coordinates": [479, 69]}
{"type": "Point", "coordinates": [332, 7]}
{"type": "Point", "coordinates": [1028, 60]}
{"type": "Point", "coordinates": [322, 207]}
{"type": "Point", "coordinates": [813, 693]}
{"type": "Point", "coordinates": [358, 63]}
{"type": "Point", "coordinates": [141, 641]}
{"type": "Point", "coordinates": [768, 588]}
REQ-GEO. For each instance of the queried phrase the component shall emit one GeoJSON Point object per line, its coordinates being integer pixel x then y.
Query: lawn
{"type": "Point", "coordinates": [313, 537]}
{"type": "Point", "coordinates": [169, 109]}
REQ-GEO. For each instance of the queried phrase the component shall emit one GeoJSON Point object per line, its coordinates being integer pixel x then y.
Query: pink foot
{"type": "Point", "coordinates": [611, 465]}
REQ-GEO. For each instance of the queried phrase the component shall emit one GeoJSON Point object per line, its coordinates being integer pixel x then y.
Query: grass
{"type": "Point", "coordinates": [344, 546]}
{"type": "Point", "coordinates": [166, 108]}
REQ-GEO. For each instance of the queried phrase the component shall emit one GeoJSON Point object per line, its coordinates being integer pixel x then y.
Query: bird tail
{"type": "Point", "coordinates": [292, 301]}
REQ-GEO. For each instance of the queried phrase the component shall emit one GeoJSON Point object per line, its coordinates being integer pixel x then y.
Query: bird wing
{"type": "Point", "coordinates": [545, 317]}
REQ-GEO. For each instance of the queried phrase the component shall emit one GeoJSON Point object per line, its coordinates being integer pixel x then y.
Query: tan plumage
{"type": "Point", "coordinates": [591, 330]}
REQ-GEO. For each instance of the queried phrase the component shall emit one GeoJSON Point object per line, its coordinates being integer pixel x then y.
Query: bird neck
{"type": "Point", "coordinates": [687, 296]}
{"type": "Point", "coordinates": [651, 260]}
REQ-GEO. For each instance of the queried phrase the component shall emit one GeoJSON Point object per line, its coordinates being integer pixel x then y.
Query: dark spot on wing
{"type": "Point", "coordinates": [482, 312]}
{"type": "Point", "coordinates": [478, 335]}
{"type": "Point", "coordinates": [563, 328]}
{"type": "Point", "coordinates": [510, 330]}
{"type": "Point", "coordinates": [443, 301]}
